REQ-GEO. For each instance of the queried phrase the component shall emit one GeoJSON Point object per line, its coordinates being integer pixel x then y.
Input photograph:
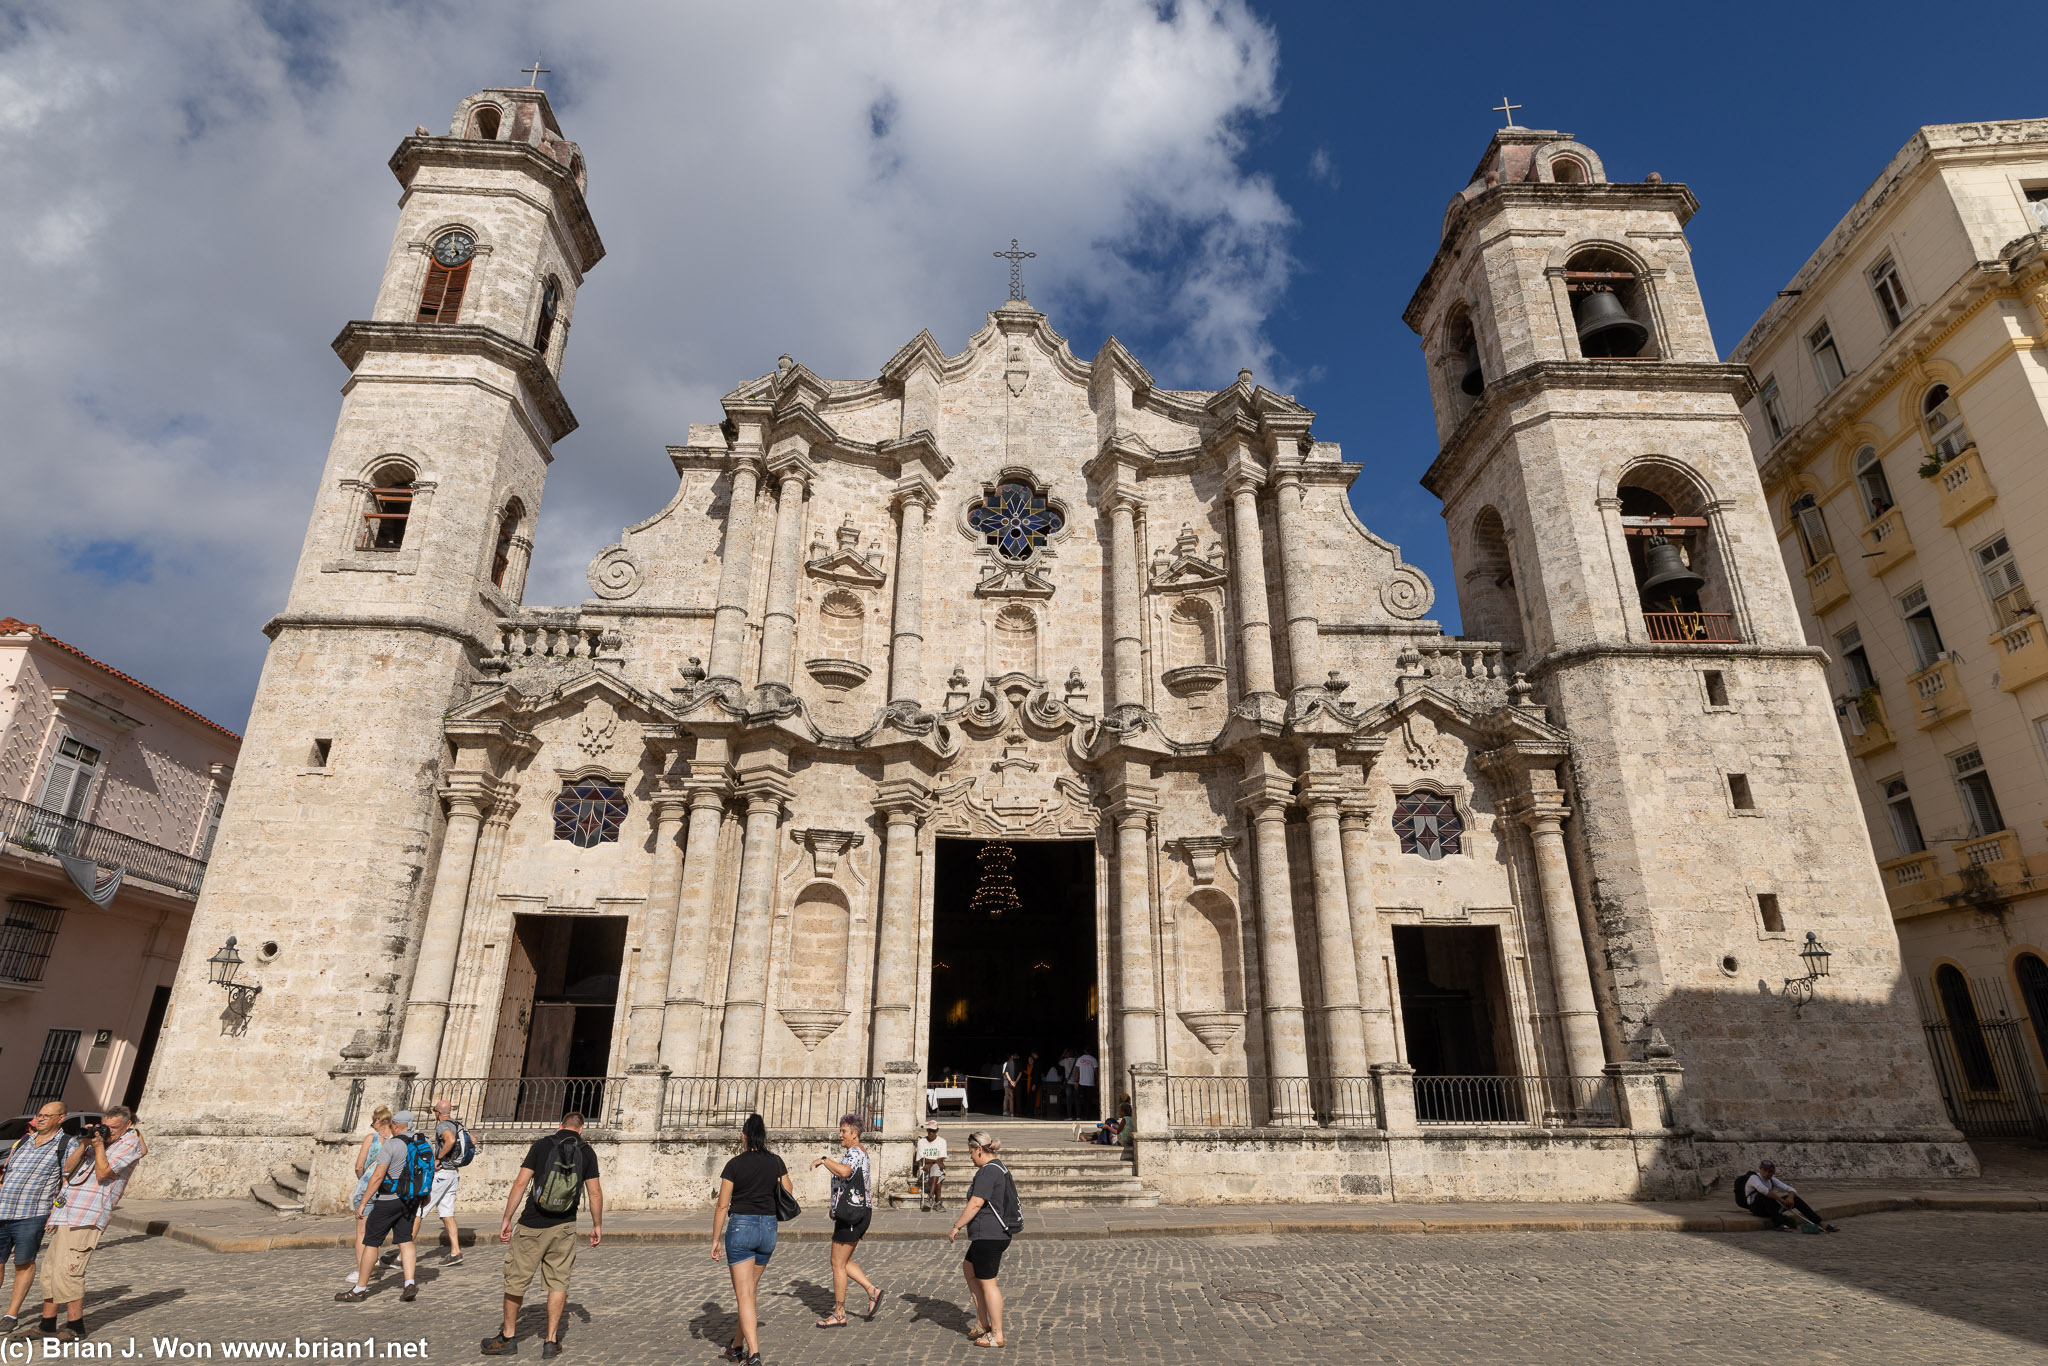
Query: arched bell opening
{"type": "Point", "coordinates": [1488, 603]}
{"type": "Point", "coordinates": [1681, 583]}
{"type": "Point", "coordinates": [1610, 307]}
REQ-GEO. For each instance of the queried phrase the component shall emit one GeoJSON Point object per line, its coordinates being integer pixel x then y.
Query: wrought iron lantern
{"type": "Point", "coordinates": [221, 970]}
{"type": "Point", "coordinates": [1800, 990]}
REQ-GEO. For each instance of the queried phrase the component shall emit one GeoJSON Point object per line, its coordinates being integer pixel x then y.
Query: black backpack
{"type": "Point", "coordinates": [556, 1190]}
{"type": "Point", "coordinates": [1008, 1212]}
{"type": "Point", "coordinates": [1742, 1191]}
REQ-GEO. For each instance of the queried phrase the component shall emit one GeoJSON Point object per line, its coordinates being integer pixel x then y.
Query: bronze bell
{"type": "Point", "coordinates": [1666, 570]}
{"type": "Point", "coordinates": [1474, 383]}
{"type": "Point", "coordinates": [1605, 328]}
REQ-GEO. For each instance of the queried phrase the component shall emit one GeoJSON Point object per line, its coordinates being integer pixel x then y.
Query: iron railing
{"type": "Point", "coordinates": [1540, 1102]}
{"type": "Point", "coordinates": [1252, 1102]}
{"type": "Point", "coordinates": [47, 832]}
{"type": "Point", "coordinates": [1712, 628]}
{"type": "Point", "coordinates": [517, 1102]}
{"type": "Point", "coordinates": [782, 1102]}
{"type": "Point", "coordinates": [1987, 1078]}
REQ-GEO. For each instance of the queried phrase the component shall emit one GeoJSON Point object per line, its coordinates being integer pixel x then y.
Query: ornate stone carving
{"type": "Point", "coordinates": [826, 846]}
{"type": "Point", "coordinates": [1018, 793]}
{"type": "Point", "coordinates": [1181, 569]}
{"type": "Point", "coordinates": [846, 564]}
{"type": "Point", "coordinates": [1201, 851]}
{"type": "Point", "coordinates": [812, 1027]}
{"type": "Point", "coordinates": [1405, 593]}
{"type": "Point", "coordinates": [614, 574]}
{"type": "Point", "coordinates": [1214, 1028]}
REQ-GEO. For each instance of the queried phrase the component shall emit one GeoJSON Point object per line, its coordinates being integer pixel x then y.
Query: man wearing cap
{"type": "Point", "coordinates": [931, 1157]}
{"type": "Point", "coordinates": [1769, 1198]}
{"type": "Point", "coordinates": [384, 1213]}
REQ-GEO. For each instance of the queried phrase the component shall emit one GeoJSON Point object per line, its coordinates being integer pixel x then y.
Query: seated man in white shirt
{"type": "Point", "coordinates": [1769, 1198]}
{"type": "Point", "coordinates": [931, 1158]}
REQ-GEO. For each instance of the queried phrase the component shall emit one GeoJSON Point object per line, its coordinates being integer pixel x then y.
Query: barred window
{"type": "Point", "coordinates": [589, 812]}
{"type": "Point", "coordinates": [27, 931]}
{"type": "Point", "coordinates": [1428, 824]}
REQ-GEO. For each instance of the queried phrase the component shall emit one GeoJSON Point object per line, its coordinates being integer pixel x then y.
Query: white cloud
{"type": "Point", "coordinates": [198, 200]}
{"type": "Point", "coordinates": [1322, 167]}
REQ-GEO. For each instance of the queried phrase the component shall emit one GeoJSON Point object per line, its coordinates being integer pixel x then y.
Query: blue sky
{"type": "Point", "coordinates": [199, 200]}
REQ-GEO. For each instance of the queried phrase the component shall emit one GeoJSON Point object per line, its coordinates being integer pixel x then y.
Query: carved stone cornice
{"type": "Point", "coordinates": [1201, 852]}
{"type": "Point", "coordinates": [826, 846]}
{"type": "Point", "coordinates": [360, 338]}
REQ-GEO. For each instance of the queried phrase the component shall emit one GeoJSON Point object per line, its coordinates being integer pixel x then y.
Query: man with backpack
{"type": "Point", "coordinates": [558, 1170]}
{"type": "Point", "coordinates": [35, 1169]}
{"type": "Point", "coordinates": [454, 1149]}
{"type": "Point", "coordinates": [1764, 1195]}
{"type": "Point", "coordinates": [391, 1205]}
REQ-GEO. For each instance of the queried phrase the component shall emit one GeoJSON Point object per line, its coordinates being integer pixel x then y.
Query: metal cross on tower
{"type": "Point", "coordinates": [1016, 259]}
{"type": "Point", "coordinates": [1508, 109]}
{"type": "Point", "coordinates": [537, 71]}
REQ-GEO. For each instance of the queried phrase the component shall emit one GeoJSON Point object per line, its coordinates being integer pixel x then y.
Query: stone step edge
{"type": "Point", "coordinates": [1193, 1227]}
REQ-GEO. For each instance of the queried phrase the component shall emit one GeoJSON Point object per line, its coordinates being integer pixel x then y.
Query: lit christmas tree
{"type": "Point", "coordinates": [998, 891]}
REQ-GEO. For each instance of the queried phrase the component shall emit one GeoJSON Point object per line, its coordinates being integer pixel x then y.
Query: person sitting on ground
{"type": "Point", "coordinates": [1769, 1198]}
{"type": "Point", "coordinates": [931, 1158]}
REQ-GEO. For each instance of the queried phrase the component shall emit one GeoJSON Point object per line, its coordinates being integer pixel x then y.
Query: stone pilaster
{"type": "Point", "coordinates": [1578, 1019]}
{"type": "Point", "coordinates": [1265, 802]}
{"type": "Point", "coordinates": [1297, 584]}
{"type": "Point", "coordinates": [1343, 1030]}
{"type": "Point", "coordinates": [746, 981]}
{"type": "Point", "coordinates": [648, 1007]}
{"type": "Point", "coordinates": [1248, 574]}
{"type": "Point", "coordinates": [903, 806]}
{"type": "Point", "coordinates": [1127, 673]}
{"type": "Point", "coordinates": [785, 569]}
{"type": "Point", "coordinates": [914, 501]}
{"type": "Point", "coordinates": [1375, 1004]}
{"type": "Point", "coordinates": [683, 1008]}
{"type": "Point", "coordinates": [469, 796]}
{"type": "Point", "coordinates": [735, 568]}
{"type": "Point", "coordinates": [1133, 810]}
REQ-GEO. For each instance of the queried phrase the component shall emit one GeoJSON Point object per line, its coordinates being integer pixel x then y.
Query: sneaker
{"type": "Point", "coordinates": [8, 1323]}
{"type": "Point", "coordinates": [356, 1296]}
{"type": "Point", "coordinates": [549, 1350]}
{"type": "Point", "coordinates": [455, 1260]}
{"type": "Point", "coordinates": [737, 1354]}
{"type": "Point", "coordinates": [411, 1291]}
{"type": "Point", "coordinates": [388, 1258]}
{"type": "Point", "coordinates": [499, 1345]}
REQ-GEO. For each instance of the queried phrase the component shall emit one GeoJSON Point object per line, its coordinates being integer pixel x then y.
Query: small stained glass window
{"type": "Point", "coordinates": [1427, 824]}
{"type": "Point", "coordinates": [588, 813]}
{"type": "Point", "coordinates": [1016, 520]}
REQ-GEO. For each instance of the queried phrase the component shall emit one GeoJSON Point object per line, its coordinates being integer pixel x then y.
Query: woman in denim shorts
{"type": "Point", "coordinates": [743, 1230]}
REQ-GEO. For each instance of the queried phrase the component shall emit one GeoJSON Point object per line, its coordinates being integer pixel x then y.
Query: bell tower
{"type": "Point", "coordinates": [418, 542]}
{"type": "Point", "coordinates": [1607, 525]}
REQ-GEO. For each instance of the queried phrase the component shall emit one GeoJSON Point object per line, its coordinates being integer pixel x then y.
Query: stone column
{"type": "Point", "coordinates": [1248, 568]}
{"type": "Point", "coordinates": [1298, 584]}
{"type": "Point", "coordinates": [906, 643]}
{"type": "Point", "coordinates": [519, 556]}
{"type": "Point", "coordinates": [1136, 993]}
{"type": "Point", "coordinates": [729, 622]}
{"type": "Point", "coordinates": [1343, 1031]}
{"type": "Point", "coordinates": [746, 980]}
{"type": "Point", "coordinates": [426, 1008]}
{"type": "Point", "coordinates": [1279, 968]}
{"type": "Point", "coordinates": [896, 937]}
{"type": "Point", "coordinates": [657, 936]}
{"type": "Point", "coordinates": [1127, 671]}
{"type": "Point", "coordinates": [1577, 1016]}
{"type": "Point", "coordinates": [785, 572]}
{"type": "Point", "coordinates": [1375, 1010]}
{"type": "Point", "coordinates": [682, 1021]}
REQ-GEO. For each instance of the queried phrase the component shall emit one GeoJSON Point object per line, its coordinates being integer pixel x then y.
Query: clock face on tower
{"type": "Point", "coordinates": [454, 247]}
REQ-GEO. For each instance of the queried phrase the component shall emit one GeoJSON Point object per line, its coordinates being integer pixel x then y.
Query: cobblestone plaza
{"type": "Point", "coordinates": [1901, 1287]}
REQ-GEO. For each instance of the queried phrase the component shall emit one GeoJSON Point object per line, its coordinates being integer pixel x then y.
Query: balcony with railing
{"type": "Point", "coordinates": [1886, 543]}
{"type": "Point", "coordinates": [1256, 1102]}
{"type": "Point", "coordinates": [1938, 696]}
{"type": "Point", "coordinates": [1826, 585]}
{"type": "Point", "coordinates": [37, 831]}
{"type": "Point", "coordinates": [2022, 647]}
{"type": "Point", "coordinates": [1964, 487]}
{"type": "Point", "coordinates": [1693, 628]}
{"type": "Point", "coordinates": [1866, 726]}
{"type": "Point", "coordinates": [1912, 881]}
{"type": "Point", "coordinates": [1996, 855]}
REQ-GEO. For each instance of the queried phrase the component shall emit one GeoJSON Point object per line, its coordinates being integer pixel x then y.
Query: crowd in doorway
{"type": "Point", "coordinates": [1039, 1086]}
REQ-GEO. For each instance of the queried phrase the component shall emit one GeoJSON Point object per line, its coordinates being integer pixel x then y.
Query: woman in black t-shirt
{"type": "Point", "coordinates": [743, 1229]}
{"type": "Point", "coordinates": [988, 1237]}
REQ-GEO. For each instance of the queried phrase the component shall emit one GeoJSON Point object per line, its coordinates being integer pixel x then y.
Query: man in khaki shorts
{"type": "Point", "coordinates": [94, 1178]}
{"type": "Point", "coordinates": [557, 1172]}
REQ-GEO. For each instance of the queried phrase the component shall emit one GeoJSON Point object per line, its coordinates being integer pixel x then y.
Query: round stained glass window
{"type": "Point", "coordinates": [1015, 520]}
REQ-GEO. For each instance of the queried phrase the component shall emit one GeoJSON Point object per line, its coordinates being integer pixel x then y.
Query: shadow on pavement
{"type": "Point", "coordinates": [713, 1323]}
{"type": "Point", "coordinates": [1996, 1287]}
{"type": "Point", "coordinates": [945, 1313]}
{"type": "Point", "coordinates": [106, 1306]}
{"type": "Point", "coordinates": [814, 1297]}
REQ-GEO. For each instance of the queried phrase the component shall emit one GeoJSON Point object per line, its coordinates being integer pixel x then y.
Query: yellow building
{"type": "Point", "coordinates": [1901, 430]}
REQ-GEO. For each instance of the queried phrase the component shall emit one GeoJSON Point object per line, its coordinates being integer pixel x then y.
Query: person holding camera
{"type": "Point", "coordinates": [35, 1168]}
{"type": "Point", "coordinates": [84, 1205]}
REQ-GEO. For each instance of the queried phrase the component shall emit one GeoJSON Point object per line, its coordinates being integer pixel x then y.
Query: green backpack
{"type": "Point", "coordinates": [557, 1188]}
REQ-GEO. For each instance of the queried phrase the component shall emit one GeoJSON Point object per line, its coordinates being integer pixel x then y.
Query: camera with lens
{"type": "Point", "coordinates": [97, 1130]}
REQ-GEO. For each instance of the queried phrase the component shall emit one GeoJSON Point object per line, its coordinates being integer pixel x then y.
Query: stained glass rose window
{"type": "Point", "coordinates": [1016, 520]}
{"type": "Point", "coordinates": [588, 813]}
{"type": "Point", "coordinates": [1427, 824]}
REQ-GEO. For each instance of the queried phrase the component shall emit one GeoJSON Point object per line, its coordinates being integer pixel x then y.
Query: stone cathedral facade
{"type": "Point", "coordinates": [1369, 911]}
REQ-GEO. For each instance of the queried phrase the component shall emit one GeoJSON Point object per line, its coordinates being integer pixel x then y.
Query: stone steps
{"type": "Point", "coordinates": [285, 1191]}
{"type": "Point", "coordinates": [1073, 1176]}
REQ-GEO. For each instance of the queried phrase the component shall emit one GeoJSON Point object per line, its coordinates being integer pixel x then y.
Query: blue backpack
{"type": "Point", "coordinates": [416, 1182]}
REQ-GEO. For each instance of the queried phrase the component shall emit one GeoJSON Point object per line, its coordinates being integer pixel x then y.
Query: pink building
{"type": "Point", "coordinates": [99, 773]}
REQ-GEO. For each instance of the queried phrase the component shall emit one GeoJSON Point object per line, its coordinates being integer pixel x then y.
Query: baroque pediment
{"type": "Point", "coordinates": [1181, 569]}
{"type": "Point", "coordinates": [1015, 788]}
{"type": "Point", "coordinates": [847, 563]}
